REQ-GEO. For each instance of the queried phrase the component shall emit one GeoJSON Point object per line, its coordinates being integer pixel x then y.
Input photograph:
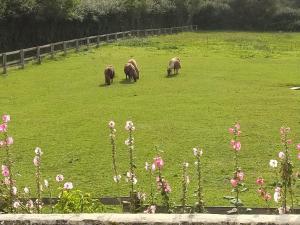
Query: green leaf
{"type": "Point", "coordinates": [229, 197]}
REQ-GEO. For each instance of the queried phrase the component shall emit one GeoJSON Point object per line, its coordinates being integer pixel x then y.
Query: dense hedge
{"type": "Point", "coordinates": [26, 23]}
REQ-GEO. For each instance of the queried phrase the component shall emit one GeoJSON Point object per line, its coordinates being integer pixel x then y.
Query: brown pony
{"type": "Point", "coordinates": [175, 65]}
{"type": "Point", "coordinates": [133, 62]}
{"type": "Point", "coordinates": [130, 72]}
{"type": "Point", "coordinates": [109, 74]}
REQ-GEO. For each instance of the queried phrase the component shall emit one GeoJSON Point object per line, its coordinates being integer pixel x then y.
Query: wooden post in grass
{"type": "Point", "coordinates": [22, 63]}
{"type": "Point", "coordinates": [52, 50]}
{"type": "Point", "coordinates": [65, 48]}
{"type": "Point", "coordinates": [38, 55]}
{"type": "Point", "coordinates": [98, 41]}
{"type": "Point", "coordinates": [77, 45]}
{"type": "Point", "coordinates": [4, 63]}
{"type": "Point", "coordinates": [87, 43]}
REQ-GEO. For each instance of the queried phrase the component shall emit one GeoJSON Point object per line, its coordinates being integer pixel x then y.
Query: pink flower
{"type": "Point", "coordinates": [232, 143]}
{"type": "Point", "coordinates": [36, 160]}
{"type": "Point", "coordinates": [234, 182]}
{"type": "Point", "coordinates": [5, 118]}
{"type": "Point", "coordinates": [281, 155]}
{"type": "Point", "coordinates": [231, 130]}
{"type": "Point", "coordinates": [240, 175]}
{"type": "Point", "coordinates": [298, 146]}
{"type": "Point", "coordinates": [299, 155]}
{"type": "Point", "coordinates": [9, 141]}
{"type": "Point", "coordinates": [5, 171]}
{"type": "Point", "coordinates": [59, 178]}
{"type": "Point", "coordinates": [260, 181]}
{"type": "Point", "coordinates": [3, 127]}
{"type": "Point", "coordinates": [289, 141]}
{"type": "Point", "coordinates": [267, 197]}
{"type": "Point", "coordinates": [159, 163]}
{"type": "Point", "coordinates": [237, 126]}
{"type": "Point", "coordinates": [167, 188]}
{"type": "Point", "coordinates": [68, 186]}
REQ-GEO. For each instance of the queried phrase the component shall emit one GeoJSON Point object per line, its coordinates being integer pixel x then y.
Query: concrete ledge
{"type": "Point", "coordinates": [144, 219]}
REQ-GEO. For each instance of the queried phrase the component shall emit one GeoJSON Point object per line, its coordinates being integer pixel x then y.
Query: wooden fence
{"type": "Point", "coordinates": [20, 57]}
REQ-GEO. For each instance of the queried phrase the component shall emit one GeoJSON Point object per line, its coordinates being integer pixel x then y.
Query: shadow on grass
{"type": "Point", "coordinates": [126, 81]}
{"type": "Point", "coordinates": [172, 75]}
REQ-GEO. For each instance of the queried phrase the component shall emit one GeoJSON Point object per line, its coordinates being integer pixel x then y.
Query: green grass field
{"type": "Point", "coordinates": [63, 107]}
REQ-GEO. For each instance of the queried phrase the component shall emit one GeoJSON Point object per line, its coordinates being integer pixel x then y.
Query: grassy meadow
{"type": "Point", "coordinates": [64, 107]}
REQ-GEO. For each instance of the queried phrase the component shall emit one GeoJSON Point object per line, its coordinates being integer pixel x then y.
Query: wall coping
{"type": "Point", "coordinates": [157, 219]}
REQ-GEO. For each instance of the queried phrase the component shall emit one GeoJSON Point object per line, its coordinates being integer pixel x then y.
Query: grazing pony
{"type": "Point", "coordinates": [130, 72]}
{"type": "Point", "coordinates": [109, 74]}
{"type": "Point", "coordinates": [133, 62]}
{"type": "Point", "coordinates": [174, 64]}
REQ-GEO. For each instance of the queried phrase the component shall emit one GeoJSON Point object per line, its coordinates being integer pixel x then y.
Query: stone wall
{"type": "Point", "coordinates": [145, 219]}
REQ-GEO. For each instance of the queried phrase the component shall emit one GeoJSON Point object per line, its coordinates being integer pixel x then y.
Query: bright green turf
{"type": "Point", "coordinates": [225, 77]}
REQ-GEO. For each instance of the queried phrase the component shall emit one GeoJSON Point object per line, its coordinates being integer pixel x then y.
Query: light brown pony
{"type": "Point", "coordinates": [109, 74]}
{"type": "Point", "coordinates": [130, 72]}
{"type": "Point", "coordinates": [133, 62]}
{"type": "Point", "coordinates": [174, 64]}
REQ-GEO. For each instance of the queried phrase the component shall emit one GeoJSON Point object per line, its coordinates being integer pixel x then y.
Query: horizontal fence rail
{"type": "Point", "coordinates": [20, 57]}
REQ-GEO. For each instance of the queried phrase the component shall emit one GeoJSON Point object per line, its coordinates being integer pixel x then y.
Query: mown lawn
{"type": "Point", "coordinates": [63, 107]}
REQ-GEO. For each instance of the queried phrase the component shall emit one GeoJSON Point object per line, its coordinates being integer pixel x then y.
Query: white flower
{"type": "Point", "coordinates": [36, 160]}
{"type": "Point", "coordinates": [68, 186]}
{"type": "Point", "coordinates": [134, 180]}
{"type": "Point", "coordinates": [187, 180]}
{"type": "Point", "coordinates": [281, 155]}
{"type": "Point", "coordinates": [26, 190]}
{"type": "Point", "coordinates": [127, 142]}
{"type": "Point", "coordinates": [14, 190]}
{"type": "Point", "coordinates": [29, 204]}
{"type": "Point", "coordinates": [277, 195]}
{"type": "Point", "coordinates": [111, 124]}
{"type": "Point", "coordinates": [195, 151]}
{"type": "Point", "coordinates": [16, 204]}
{"type": "Point", "coordinates": [147, 166]}
{"type": "Point", "coordinates": [117, 178]}
{"type": "Point", "coordinates": [59, 178]}
{"type": "Point", "coordinates": [129, 126]}
{"type": "Point", "coordinates": [186, 165]}
{"type": "Point", "coordinates": [38, 151]}
{"type": "Point", "coordinates": [273, 163]}
{"type": "Point", "coordinates": [46, 183]}
{"type": "Point", "coordinates": [153, 167]}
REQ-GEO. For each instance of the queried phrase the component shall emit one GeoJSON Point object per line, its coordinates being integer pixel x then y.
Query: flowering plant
{"type": "Point", "coordinates": [237, 181]}
{"type": "Point", "coordinates": [200, 202]}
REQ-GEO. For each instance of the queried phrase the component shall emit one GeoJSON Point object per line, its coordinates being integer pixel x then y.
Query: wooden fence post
{"type": "Point", "coordinates": [87, 43]}
{"type": "Point", "coordinates": [98, 41]}
{"type": "Point", "coordinates": [22, 63]}
{"type": "Point", "coordinates": [65, 47]}
{"type": "Point", "coordinates": [38, 55]}
{"type": "Point", "coordinates": [77, 45]}
{"type": "Point", "coordinates": [4, 63]}
{"type": "Point", "coordinates": [52, 50]}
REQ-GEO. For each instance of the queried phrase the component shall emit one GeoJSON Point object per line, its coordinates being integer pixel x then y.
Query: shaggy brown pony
{"type": "Point", "coordinates": [175, 65]}
{"type": "Point", "coordinates": [133, 62]}
{"type": "Point", "coordinates": [109, 74]}
{"type": "Point", "coordinates": [130, 72]}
